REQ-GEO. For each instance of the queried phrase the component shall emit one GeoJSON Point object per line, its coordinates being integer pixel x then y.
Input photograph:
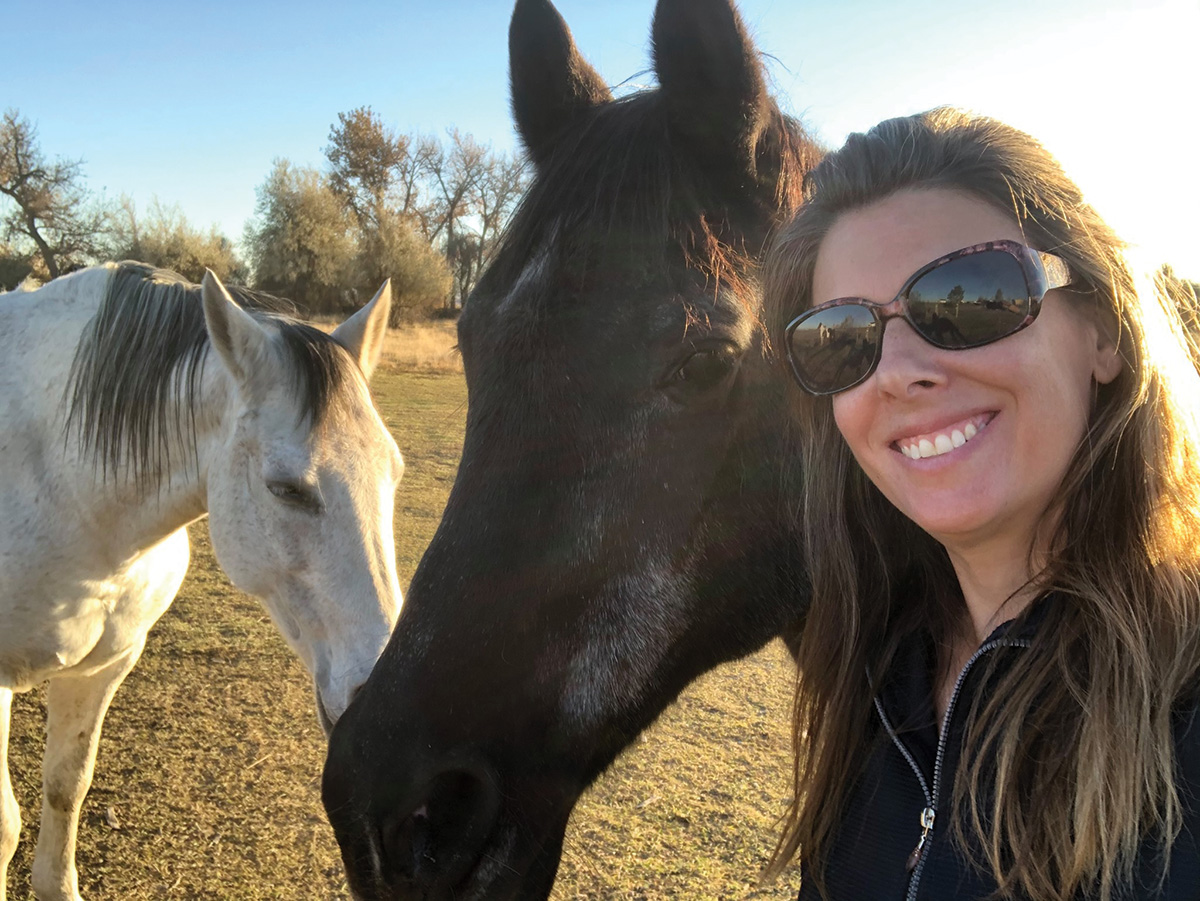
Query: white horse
{"type": "Point", "coordinates": [131, 404]}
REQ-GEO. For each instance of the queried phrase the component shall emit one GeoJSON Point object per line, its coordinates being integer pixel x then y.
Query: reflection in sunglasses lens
{"type": "Point", "coordinates": [970, 300]}
{"type": "Point", "coordinates": [835, 346]}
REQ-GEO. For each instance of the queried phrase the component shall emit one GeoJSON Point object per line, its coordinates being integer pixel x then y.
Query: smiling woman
{"type": "Point", "coordinates": [1000, 664]}
{"type": "Point", "coordinates": [900, 423]}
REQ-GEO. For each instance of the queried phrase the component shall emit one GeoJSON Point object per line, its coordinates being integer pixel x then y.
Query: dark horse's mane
{"type": "Point", "coordinates": [621, 176]}
{"type": "Point", "coordinates": [143, 353]}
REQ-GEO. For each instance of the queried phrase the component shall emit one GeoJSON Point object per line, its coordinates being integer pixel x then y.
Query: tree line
{"type": "Point", "coordinates": [424, 211]}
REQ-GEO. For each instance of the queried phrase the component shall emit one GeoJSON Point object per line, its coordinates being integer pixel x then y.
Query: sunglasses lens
{"type": "Point", "coordinates": [834, 348]}
{"type": "Point", "coordinates": [971, 300]}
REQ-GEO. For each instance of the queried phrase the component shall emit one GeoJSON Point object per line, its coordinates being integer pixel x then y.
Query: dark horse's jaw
{"type": "Point", "coordinates": [617, 525]}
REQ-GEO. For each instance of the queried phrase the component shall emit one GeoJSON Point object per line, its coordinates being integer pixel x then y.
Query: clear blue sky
{"type": "Point", "coordinates": [190, 103]}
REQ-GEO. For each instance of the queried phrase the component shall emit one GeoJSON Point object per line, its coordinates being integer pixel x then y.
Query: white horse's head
{"type": "Point", "coordinates": [302, 488]}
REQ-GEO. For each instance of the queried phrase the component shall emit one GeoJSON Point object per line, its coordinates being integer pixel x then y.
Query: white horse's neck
{"type": "Point", "coordinates": [148, 509]}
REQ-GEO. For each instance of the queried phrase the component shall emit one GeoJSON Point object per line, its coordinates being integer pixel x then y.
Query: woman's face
{"type": "Point", "coordinates": [1021, 403]}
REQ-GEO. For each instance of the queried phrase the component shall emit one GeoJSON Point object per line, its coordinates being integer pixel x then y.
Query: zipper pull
{"type": "Point", "coordinates": [927, 816]}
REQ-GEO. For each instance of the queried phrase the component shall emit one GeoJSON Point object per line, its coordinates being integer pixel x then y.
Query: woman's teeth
{"type": "Point", "coordinates": [942, 443]}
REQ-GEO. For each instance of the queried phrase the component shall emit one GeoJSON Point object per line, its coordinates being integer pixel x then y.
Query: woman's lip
{"type": "Point", "coordinates": [943, 438]}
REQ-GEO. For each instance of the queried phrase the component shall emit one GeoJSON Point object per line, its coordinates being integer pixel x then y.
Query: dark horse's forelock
{"type": "Point", "coordinates": [136, 376]}
{"type": "Point", "coordinates": [626, 180]}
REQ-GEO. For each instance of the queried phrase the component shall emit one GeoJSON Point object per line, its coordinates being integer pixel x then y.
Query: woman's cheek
{"type": "Point", "coordinates": [852, 415]}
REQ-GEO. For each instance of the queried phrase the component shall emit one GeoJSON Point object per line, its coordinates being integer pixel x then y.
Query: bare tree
{"type": "Point", "coordinates": [51, 207]}
{"type": "Point", "coordinates": [411, 187]}
{"type": "Point", "coordinates": [503, 183]}
{"type": "Point", "coordinates": [456, 171]}
{"type": "Point", "coordinates": [477, 190]}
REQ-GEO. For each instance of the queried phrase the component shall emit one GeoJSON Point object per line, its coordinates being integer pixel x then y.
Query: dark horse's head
{"type": "Point", "coordinates": [617, 524]}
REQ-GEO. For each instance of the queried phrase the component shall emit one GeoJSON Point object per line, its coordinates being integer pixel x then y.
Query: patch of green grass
{"type": "Point", "coordinates": [211, 755]}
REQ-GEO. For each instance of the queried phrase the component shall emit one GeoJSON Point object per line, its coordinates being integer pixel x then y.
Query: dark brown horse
{"type": "Point", "coordinates": [619, 522]}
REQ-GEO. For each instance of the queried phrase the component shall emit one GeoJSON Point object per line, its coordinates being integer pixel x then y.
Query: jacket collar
{"type": "Point", "coordinates": [906, 692]}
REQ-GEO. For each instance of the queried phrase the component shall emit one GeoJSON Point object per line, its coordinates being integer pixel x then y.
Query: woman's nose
{"type": "Point", "coordinates": [907, 361]}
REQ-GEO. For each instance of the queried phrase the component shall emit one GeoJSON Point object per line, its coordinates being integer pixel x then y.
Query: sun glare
{"type": "Point", "coordinates": [1110, 91]}
{"type": "Point", "coordinates": [1115, 101]}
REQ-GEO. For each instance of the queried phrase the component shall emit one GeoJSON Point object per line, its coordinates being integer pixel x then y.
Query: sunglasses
{"type": "Point", "coordinates": [965, 299]}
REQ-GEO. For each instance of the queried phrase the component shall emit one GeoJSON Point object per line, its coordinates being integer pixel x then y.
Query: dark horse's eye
{"type": "Point", "coordinates": [706, 368]}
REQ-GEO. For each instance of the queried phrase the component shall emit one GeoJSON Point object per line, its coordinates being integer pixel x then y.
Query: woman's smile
{"type": "Point", "coordinates": [943, 440]}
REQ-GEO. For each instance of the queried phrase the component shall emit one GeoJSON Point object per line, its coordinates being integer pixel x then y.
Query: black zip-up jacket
{"type": "Point", "coordinates": [895, 841]}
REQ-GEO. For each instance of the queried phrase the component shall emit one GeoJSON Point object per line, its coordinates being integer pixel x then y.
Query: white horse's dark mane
{"type": "Point", "coordinates": [136, 375]}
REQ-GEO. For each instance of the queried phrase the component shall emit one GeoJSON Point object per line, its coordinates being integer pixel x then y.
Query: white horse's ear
{"type": "Point", "coordinates": [363, 333]}
{"type": "Point", "coordinates": [236, 336]}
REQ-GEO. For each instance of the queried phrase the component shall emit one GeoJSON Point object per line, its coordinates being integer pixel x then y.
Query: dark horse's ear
{"type": "Point", "coordinates": [711, 80]}
{"type": "Point", "coordinates": [552, 84]}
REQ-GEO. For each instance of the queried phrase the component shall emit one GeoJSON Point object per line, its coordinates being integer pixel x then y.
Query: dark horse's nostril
{"type": "Point", "coordinates": [437, 843]}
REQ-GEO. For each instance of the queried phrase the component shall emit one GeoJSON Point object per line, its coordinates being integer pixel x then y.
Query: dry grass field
{"type": "Point", "coordinates": [207, 783]}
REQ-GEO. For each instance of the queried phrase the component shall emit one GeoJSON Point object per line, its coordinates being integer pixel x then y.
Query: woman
{"type": "Point", "coordinates": [1002, 483]}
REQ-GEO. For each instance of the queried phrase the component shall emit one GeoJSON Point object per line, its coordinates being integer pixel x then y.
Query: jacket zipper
{"type": "Point", "coordinates": [916, 860]}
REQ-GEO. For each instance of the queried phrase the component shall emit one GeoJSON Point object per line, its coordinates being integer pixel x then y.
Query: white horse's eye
{"type": "Point", "coordinates": [296, 495]}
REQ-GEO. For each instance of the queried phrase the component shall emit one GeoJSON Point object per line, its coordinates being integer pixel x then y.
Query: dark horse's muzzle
{"type": "Point", "coordinates": [409, 829]}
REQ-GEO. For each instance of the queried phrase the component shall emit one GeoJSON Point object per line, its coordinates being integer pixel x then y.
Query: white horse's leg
{"type": "Point", "coordinates": [10, 813]}
{"type": "Point", "coordinates": [75, 709]}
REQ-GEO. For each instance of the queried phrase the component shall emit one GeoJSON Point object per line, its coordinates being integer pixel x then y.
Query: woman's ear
{"type": "Point", "coordinates": [1108, 362]}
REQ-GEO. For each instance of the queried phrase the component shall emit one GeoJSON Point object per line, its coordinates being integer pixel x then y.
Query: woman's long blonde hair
{"type": "Point", "coordinates": [1069, 763]}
